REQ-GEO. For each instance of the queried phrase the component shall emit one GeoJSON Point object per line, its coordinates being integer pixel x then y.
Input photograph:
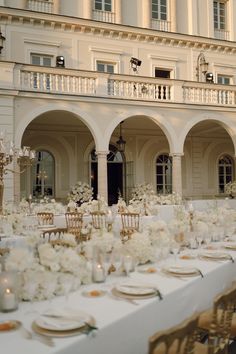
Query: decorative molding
{"type": "Point", "coordinates": [105, 50]}
{"type": "Point", "coordinates": [35, 41]}
{"type": "Point", "coordinates": [120, 31]}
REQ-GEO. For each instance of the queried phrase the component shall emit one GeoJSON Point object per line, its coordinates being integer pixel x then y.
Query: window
{"type": "Point", "coordinates": [223, 80]}
{"type": "Point", "coordinates": [103, 5]}
{"type": "Point", "coordinates": [219, 14]}
{"type": "Point", "coordinates": [162, 73]}
{"type": "Point", "coordinates": [159, 9]}
{"type": "Point", "coordinates": [105, 67]}
{"type": "Point", "coordinates": [225, 172]}
{"type": "Point", "coordinates": [43, 175]}
{"type": "Point", "coordinates": [44, 60]}
{"type": "Point", "coordinates": [164, 174]}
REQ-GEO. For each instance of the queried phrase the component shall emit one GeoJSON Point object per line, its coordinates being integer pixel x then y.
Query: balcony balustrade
{"type": "Point", "coordinates": [221, 34]}
{"type": "Point", "coordinates": [161, 25]}
{"type": "Point", "coordinates": [31, 78]}
{"type": "Point", "coordinates": [40, 5]}
{"type": "Point", "coordinates": [104, 16]}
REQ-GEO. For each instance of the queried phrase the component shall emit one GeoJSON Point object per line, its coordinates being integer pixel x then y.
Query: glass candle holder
{"type": "Point", "coordinates": [9, 285]}
{"type": "Point", "coordinates": [98, 273]}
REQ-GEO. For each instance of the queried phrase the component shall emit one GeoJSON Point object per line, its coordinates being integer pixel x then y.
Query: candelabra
{"type": "Point", "coordinates": [8, 153]}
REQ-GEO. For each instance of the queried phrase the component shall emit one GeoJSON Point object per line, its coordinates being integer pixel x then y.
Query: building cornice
{"type": "Point", "coordinates": [111, 30]}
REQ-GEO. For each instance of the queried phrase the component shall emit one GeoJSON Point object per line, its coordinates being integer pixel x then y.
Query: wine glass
{"type": "Point", "coordinates": [116, 260]}
{"type": "Point", "coordinates": [199, 238]}
{"type": "Point", "coordinates": [128, 263]}
{"type": "Point", "coordinates": [175, 247]}
{"type": "Point", "coordinates": [106, 260]}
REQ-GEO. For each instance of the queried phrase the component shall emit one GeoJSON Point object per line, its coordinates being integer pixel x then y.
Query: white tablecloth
{"type": "Point", "coordinates": [124, 327]}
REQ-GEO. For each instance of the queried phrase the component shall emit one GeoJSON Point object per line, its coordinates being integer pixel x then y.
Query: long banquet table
{"type": "Point", "coordinates": [125, 327]}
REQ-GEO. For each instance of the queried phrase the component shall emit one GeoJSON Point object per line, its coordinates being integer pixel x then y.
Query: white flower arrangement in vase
{"type": "Point", "coordinates": [230, 189]}
{"type": "Point", "coordinates": [81, 192]}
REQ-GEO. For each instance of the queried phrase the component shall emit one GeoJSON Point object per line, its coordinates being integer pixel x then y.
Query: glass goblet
{"type": "Point", "coordinates": [128, 263]}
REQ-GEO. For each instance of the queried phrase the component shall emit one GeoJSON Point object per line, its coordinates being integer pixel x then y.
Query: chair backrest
{"type": "Point", "coordinates": [74, 223]}
{"type": "Point", "coordinates": [130, 224]}
{"type": "Point", "coordinates": [176, 340]}
{"type": "Point", "coordinates": [99, 219]}
{"type": "Point", "coordinates": [220, 327]}
{"type": "Point", "coordinates": [53, 233]}
{"type": "Point", "coordinates": [45, 218]}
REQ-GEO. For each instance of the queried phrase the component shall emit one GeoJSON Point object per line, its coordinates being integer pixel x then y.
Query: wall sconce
{"type": "Point", "coordinates": [202, 67]}
{"type": "Point", "coordinates": [1, 41]}
{"type": "Point", "coordinates": [210, 78]}
{"type": "Point", "coordinates": [134, 63]}
{"type": "Point", "coordinates": [60, 61]}
{"type": "Point", "coordinates": [121, 142]}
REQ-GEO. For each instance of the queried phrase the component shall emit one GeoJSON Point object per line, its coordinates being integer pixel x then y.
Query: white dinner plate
{"type": "Point", "coordinates": [64, 322]}
{"type": "Point", "coordinates": [215, 255]}
{"type": "Point", "coordinates": [135, 289]}
{"type": "Point", "coordinates": [181, 270]}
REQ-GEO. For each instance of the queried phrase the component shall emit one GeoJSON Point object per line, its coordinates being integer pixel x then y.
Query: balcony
{"type": "Point", "coordinates": [50, 80]}
{"type": "Point", "coordinates": [104, 16]}
{"type": "Point", "coordinates": [161, 25]}
{"type": "Point", "coordinates": [221, 34]}
{"type": "Point", "coordinates": [40, 5]}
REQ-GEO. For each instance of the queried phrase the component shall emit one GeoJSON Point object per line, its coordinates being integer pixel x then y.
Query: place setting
{"type": "Point", "coordinates": [136, 291]}
{"type": "Point", "coordinates": [216, 256]}
{"type": "Point", "coordinates": [64, 323]}
{"type": "Point", "coordinates": [181, 272]}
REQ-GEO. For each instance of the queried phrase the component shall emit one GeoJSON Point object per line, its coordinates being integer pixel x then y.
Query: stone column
{"type": "Point", "coordinates": [146, 13]}
{"type": "Point", "coordinates": [102, 173]}
{"type": "Point", "coordinates": [56, 7]}
{"type": "Point", "coordinates": [117, 10]}
{"type": "Point", "coordinates": [87, 9]}
{"type": "Point", "coordinates": [176, 173]}
{"type": "Point", "coordinates": [172, 16]}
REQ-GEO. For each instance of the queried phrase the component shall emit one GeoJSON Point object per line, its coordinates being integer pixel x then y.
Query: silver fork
{"type": "Point", "coordinates": [27, 334]}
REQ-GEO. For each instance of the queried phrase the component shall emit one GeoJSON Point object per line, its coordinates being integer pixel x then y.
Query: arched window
{"type": "Point", "coordinates": [164, 174]}
{"type": "Point", "coordinates": [225, 172]}
{"type": "Point", "coordinates": [43, 172]}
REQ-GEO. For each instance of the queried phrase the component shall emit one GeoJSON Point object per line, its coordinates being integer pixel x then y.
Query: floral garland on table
{"type": "Point", "coordinates": [48, 205]}
{"type": "Point", "coordinates": [53, 269]}
{"type": "Point", "coordinates": [159, 234]}
{"type": "Point", "coordinates": [98, 204]}
{"type": "Point", "coordinates": [81, 192]}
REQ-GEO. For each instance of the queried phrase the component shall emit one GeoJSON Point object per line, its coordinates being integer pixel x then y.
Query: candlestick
{"type": "Point", "coordinates": [9, 301]}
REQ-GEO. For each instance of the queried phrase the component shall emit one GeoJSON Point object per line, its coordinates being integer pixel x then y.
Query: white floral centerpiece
{"type": "Point", "coordinates": [55, 269]}
{"type": "Point", "coordinates": [81, 192]}
{"type": "Point", "coordinates": [94, 205]}
{"type": "Point", "coordinates": [230, 189]}
{"type": "Point", "coordinates": [101, 240]}
{"type": "Point", "coordinates": [48, 205]}
{"type": "Point", "coordinates": [159, 234]}
{"type": "Point", "coordinates": [139, 246]}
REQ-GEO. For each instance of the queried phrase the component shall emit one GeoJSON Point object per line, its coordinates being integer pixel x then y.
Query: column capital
{"type": "Point", "coordinates": [102, 152]}
{"type": "Point", "coordinates": [176, 154]}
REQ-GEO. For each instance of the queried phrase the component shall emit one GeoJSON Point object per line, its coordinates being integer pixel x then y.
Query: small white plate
{"type": "Point", "coordinates": [181, 270]}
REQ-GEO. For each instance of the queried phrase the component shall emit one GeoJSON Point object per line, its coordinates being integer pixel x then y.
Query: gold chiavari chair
{"type": "Point", "coordinates": [74, 223]}
{"type": "Point", "coordinates": [181, 339]}
{"type": "Point", "coordinates": [220, 322]}
{"type": "Point", "coordinates": [53, 233]}
{"type": "Point", "coordinates": [130, 224]}
{"type": "Point", "coordinates": [45, 218]}
{"type": "Point", "coordinates": [98, 219]}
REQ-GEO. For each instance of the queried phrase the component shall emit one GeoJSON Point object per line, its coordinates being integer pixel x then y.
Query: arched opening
{"type": "Point", "coordinates": [164, 174]}
{"type": "Point", "coordinates": [43, 175]}
{"type": "Point", "coordinates": [225, 172]}
{"type": "Point", "coordinates": [115, 174]}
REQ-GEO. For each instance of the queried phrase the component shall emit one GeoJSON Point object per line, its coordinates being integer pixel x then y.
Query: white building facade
{"type": "Point", "coordinates": [76, 75]}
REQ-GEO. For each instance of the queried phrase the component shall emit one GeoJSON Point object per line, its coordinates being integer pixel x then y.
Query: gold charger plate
{"type": "Point", "coordinates": [117, 293]}
{"type": "Point", "coordinates": [231, 247]}
{"type": "Point", "coordinates": [215, 256]}
{"type": "Point", "coordinates": [94, 293]}
{"type": "Point", "coordinates": [63, 333]}
{"type": "Point", "coordinates": [9, 325]}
